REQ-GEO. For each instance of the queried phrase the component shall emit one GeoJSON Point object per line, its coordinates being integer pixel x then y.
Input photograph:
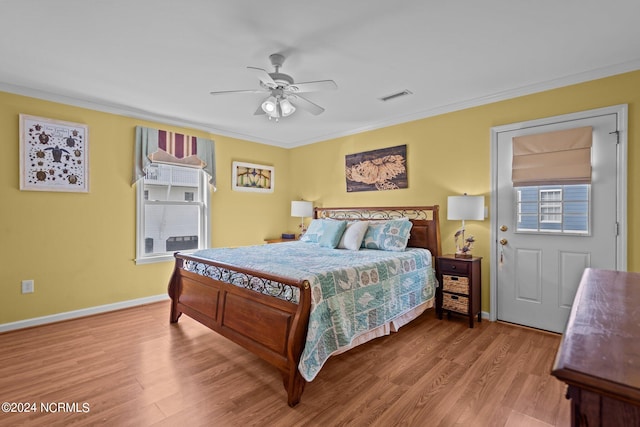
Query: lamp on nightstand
{"type": "Point", "coordinates": [465, 208]}
{"type": "Point", "coordinates": [302, 209]}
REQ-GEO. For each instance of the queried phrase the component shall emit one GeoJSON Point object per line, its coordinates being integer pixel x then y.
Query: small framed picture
{"type": "Point", "coordinates": [252, 177]}
{"type": "Point", "coordinates": [54, 155]}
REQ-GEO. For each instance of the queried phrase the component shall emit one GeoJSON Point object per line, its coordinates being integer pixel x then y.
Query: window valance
{"type": "Point", "coordinates": [553, 158]}
{"type": "Point", "coordinates": [160, 146]}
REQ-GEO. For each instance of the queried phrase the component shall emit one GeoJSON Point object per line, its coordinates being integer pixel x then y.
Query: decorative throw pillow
{"type": "Point", "coordinates": [391, 235]}
{"type": "Point", "coordinates": [313, 233]}
{"type": "Point", "coordinates": [353, 235]}
{"type": "Point", "coordinates": [331, 233]}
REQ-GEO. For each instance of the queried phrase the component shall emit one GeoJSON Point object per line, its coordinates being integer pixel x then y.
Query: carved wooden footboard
{"type": "Point", "coordinates": [272, 328]}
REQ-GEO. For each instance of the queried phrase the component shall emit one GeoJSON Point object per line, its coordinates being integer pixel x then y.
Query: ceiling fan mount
{"type": "Point", "coordinates": [283, 93]}
{"type": "Point", "coordinates": [283, 80]}
{"type": "Point", "coordinates": [276, 60]}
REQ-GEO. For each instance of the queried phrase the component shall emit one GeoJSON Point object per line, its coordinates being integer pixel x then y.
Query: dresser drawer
{"type": "Point", "coordinates": [457, 303]}
{"type": "Point", "coordinates": [457, 284]}
{"type": "Point", "coordinates": [454, 267]}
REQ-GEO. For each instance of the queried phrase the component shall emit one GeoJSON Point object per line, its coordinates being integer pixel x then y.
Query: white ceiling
{"type": "Point", "coordinates": [159, 59]}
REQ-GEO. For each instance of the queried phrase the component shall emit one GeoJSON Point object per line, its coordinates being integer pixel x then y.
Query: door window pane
{"type": "Point", "coordinates": [553, 209]}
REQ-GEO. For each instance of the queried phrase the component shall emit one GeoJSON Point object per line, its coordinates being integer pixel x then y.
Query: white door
{"type": "Point", "coordinates": [544, 237]}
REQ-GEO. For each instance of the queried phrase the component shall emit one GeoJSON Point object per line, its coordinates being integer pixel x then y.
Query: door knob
{"type": "Point", "coordinates": [503, 242]}
{"type": "Point", "coordinates": [504, 228]}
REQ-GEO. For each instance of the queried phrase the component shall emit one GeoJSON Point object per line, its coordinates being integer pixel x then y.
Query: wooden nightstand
{"type": "Point", "coordinates": [279, 240]}
{"type": "Point", "coordinates": [460, 287]}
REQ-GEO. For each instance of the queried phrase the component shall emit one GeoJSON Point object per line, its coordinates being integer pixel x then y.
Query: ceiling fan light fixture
{"type": "Point", "coordinates": [280, 86]}
{"type": "Point", "coordinates": [286, 107]}
{"type": "Point", "coordinates": [270, 105]}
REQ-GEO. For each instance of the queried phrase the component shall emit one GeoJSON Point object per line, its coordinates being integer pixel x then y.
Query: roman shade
{"type": "Point", "coordinates": [552, 158]}
{"type": "Point", "coordinates": [153, 145]}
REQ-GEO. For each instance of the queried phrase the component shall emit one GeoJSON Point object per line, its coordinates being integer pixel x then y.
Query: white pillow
{"type": "Point", "coordinates": [352, 237]}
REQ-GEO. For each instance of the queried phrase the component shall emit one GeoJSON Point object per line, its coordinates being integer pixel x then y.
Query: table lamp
{"type": "Point", "coordinates": [464, 208]}
{"type": "Point", "coordinates": [302, 209]}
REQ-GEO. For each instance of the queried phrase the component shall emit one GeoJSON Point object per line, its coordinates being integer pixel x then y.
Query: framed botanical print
{"type": "Point", "coordinates": [54, 155]}
{"type": "Point", "coordinates": [252, 177]}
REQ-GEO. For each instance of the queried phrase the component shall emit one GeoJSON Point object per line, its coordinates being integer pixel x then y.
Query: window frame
{"type": "Point", "coordinates": [204, 229]}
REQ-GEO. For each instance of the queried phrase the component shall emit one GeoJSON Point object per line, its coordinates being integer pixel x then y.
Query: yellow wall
{"type": "Point", "coordinates": [78, 247]}
{"type": "Point", "coordinates": [450, 154]}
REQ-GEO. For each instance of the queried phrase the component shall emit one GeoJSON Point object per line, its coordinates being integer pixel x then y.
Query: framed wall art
{"type": "Point", "coordinates": [252, 177]}
{"type": "Point", "coordinates": [384, 169]}
{"type": "Point", "coordinates": [54, 155]}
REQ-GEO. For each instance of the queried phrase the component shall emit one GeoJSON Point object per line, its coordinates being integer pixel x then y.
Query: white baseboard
{"type": "Point", "coordinates": [36, 321]}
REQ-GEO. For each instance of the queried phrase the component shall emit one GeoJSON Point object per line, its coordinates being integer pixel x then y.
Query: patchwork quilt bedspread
{"type": "Point", "coordinates": [352, 291]}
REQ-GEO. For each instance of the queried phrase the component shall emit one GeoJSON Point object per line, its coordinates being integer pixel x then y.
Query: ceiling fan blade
{"type": "Point", "coordinates": [260, 111]}
{"type": "Point", "coordinates": [307, 105]}
{"type": "Point", "coordinates": [313, 86]}
{"type": "Point", "coordinates": [226, 92]}
{"type": "Point", "coordinates": [264, 77]}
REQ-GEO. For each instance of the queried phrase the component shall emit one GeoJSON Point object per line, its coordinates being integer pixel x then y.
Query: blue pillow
{"type": "Point", "coordinates": [313, 233]}
{"type": "Point", "coordinates": [392, 235]}
{"type": "Point", "coordinates": [331, 233]}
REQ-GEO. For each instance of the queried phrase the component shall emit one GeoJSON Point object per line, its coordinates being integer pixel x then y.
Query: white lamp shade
{"type": "Point", "coordinates": [269, 106]}
{"type": "Point", "coordinates": [286, 107]}
{"type": "Point", "coordinates": [302, 208]}
{"type": "Point", "coordinates": [465, 208]}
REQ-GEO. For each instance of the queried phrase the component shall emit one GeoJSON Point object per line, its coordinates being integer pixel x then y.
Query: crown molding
{"type": "Point", "coordinates": [127, 111]}
{"type": "Point", "coordinates": [569, 80]}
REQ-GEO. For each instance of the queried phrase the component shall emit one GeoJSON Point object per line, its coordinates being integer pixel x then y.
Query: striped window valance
{"type": "Point", "coordinates": [161, 146]}
{"type": "Point", "coordinates": [177, 145]}
{"type": "Point", "coordinates": [552, 158]}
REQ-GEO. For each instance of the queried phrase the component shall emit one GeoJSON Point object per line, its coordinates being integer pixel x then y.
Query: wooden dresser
{"type": "Point", "coordinates": [599, 356]}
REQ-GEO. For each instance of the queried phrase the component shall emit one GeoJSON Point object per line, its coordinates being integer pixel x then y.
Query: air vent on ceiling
{"type": "Point", "coordinates": [395, 95]}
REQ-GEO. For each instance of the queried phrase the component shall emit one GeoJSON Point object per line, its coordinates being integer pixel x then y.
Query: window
{"type": "Point", "coordinates": [172, 212]}
{"type": "Point", "coordinates": [553, 209]}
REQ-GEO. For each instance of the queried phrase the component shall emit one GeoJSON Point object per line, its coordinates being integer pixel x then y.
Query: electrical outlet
{"type": "Point", "coordinates": [27, 286]}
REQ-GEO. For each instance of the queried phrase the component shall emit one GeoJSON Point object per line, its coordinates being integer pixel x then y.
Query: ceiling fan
{"type": "Point", "coordinates": [284, 95]}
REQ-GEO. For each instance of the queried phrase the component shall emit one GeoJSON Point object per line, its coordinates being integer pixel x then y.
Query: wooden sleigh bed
{"type": "Point", "coordinates": [268, 313]}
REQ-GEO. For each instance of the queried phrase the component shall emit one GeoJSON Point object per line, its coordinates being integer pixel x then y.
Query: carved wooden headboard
{"type": "Point", "coordinates": [425, 232]}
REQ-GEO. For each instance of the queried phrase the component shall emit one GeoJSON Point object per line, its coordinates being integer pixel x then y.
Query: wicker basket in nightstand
{"type": "Point", "coordinates": [455, 284]}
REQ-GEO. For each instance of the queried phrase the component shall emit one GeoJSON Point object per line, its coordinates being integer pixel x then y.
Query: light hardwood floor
{"type": "Point", "coordinates": [133, 368]}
